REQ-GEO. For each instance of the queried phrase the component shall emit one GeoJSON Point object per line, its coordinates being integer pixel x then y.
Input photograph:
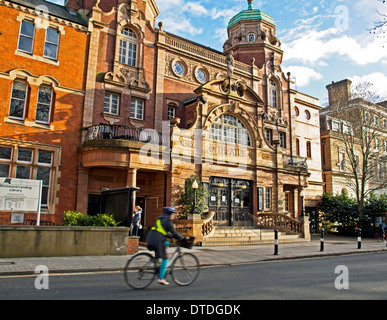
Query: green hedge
{"type": "Point", "coordinates": [340, 212]}
{"type": "Point", "coordinates": [75, 218]}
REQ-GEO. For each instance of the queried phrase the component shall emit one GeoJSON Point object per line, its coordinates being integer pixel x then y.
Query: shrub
{"type": "Point", "coordinates": [187, 198]}
{"type": "Point", "coordinates": [75, 218]}
{"type": "Point", "coordinates": [340, 212]}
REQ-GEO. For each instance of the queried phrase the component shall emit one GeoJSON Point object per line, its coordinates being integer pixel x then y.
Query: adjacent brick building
{"type": "Point", "coordinates": [338, 119]}
{"type": "Point", "coordinates": [42, 75]}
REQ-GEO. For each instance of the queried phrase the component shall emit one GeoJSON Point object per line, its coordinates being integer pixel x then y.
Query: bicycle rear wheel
{"type": "Point", "coordinates": [140, 270]}
{"type": "Point", "coordinates": [185, 269]}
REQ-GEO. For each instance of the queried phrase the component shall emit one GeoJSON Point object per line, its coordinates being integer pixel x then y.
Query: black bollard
{"type": "Point", "coordinates": [359, 238]}
{"type": "Point", "coordinates": [276, 242]}
{"type": "Point", "coordinates": [322, 240]}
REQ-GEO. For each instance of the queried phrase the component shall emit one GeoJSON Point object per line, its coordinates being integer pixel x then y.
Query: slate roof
{"type": "Point", "coordinates": [53, 9]}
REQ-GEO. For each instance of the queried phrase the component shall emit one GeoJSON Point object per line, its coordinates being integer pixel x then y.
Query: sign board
{"type": "Point", "coordinates": [20, 195]}
{"type": "Point", "coordinates": [17, 218]}
{"type": "Point", "coordinates": [260, 199]}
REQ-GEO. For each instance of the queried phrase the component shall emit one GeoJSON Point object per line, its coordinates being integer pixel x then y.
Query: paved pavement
{"type": "Point", "coordinates": [208, 256]}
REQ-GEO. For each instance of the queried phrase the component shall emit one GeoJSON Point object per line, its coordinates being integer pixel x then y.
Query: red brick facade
{"type": "Point", "coordinates": [57, 134]}
{"type": "Point", "coordinates": [119, 79]}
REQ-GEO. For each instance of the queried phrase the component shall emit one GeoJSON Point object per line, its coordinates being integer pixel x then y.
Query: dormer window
{"type": "Point", "coordinates": [128, 47]}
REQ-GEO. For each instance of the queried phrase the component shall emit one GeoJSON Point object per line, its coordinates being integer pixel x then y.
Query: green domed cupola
{"type": "Point", "coordinates": [250, 14]}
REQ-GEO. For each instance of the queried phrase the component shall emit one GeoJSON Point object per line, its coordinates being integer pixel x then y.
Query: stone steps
{"type": "Point", "coordinates": [239, 236]}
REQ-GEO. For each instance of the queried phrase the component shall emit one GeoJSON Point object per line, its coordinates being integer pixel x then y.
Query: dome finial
{"type": "Point", "coordinates": [250, 3]}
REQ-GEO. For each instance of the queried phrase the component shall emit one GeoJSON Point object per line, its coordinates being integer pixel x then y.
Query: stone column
{"type": "Point", "coordinates": [131, 178]}
{"type": "Point", "coordinates": [131, 181]}
{"type": "Point", "coordinates": [82, 190]}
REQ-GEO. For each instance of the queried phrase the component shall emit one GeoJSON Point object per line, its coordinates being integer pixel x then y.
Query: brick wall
{"type": "Point", "coordinates": [62, 134]}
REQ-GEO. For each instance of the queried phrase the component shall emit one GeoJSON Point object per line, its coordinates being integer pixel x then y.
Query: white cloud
{"type": "Point", "coordinates": [378, 80]}
{"type": "Point", "coordinates": [313, 46]}
{"type": "Point", "coordinates": [195, 8]}
{"type": "Point", "coordinates": [303, 75]}
{"type": "Point", "coordinates": [226, 14]}
{"type": "Point", "coordinates": [177, 25]}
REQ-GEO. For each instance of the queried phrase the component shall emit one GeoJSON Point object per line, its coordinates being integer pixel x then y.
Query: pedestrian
{"type": "Point", "coordinates": [136, 221]}
{"type": "Point", "coordinates": [381, 233]}
{"type": "Point", "coordinates": [157, 240]}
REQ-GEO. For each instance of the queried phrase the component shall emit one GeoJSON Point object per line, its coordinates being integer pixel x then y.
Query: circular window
{"type": "Point", "coordinates": [178, 68]}
{"type": "Point", "coordinates": [251, 37]}
{"type": "Point", "coordinates": [201, 75]}
{"type": "Point", "coordinates": [297, 112]}
{"type": "Point", "coordinates": [307, 115]}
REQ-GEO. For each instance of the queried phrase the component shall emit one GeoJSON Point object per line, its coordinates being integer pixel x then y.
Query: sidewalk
{"type": "Point", "coordinates": [208, 256]}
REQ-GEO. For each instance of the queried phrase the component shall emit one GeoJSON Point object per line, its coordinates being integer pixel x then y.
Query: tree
{"type": "Point", "coordinates": [381, 25]}
{"type": "Point", "coordinates": [187, 197]}
{"type": "Point", "coordinates": [362, 137]}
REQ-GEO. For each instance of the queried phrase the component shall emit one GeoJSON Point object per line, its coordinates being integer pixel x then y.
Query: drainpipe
{"type": "Point", "coordinates": [290, 118]}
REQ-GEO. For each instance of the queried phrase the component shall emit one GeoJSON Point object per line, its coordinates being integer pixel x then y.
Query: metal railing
{"type": "Point", "coordinates": [280, 222]}
{"type": "Point", "coordinates": [128, 133]}
{"type": "Point", "coordinates": [295, 161]}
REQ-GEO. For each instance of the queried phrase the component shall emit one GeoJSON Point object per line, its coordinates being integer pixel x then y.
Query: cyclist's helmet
{"type": "Point", "coordinates": [168, 210]}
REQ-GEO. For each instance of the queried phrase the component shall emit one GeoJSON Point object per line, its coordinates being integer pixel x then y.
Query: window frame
{"type": "Point", "coordinates": [268, 198]}
{"type": "Point", "coordinates": [308, 149]}
{"type": "Point", "coordinates": [33, 164]}
{"type": "Point", "coordinates": [223, 130]}
{"type": "Point", "coordinates": [26, 36]}
{"type": "Point", "coordinates": [171, 112]}
{"type": "Point", "coordinates": [273, 94]}
{"type": "Point", "coordinates": [269, 135]}
{"type": "Point", "coordinates": [134, 108]}
{"type": "Point", "coordinates": [51, 43]}
{"type": "Point", "coordinates": [282, 139]}
{"type": "Point", "coordinates": [24, 101]}
{"type": "Point", "coordinates": [125, 40]}
{"type": "Point", "coordinates": [49, 106]}
{"type": "Point", "coordinates": [108, 109]}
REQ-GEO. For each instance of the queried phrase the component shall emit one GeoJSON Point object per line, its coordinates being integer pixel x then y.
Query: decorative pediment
{"type": "Point", "coordinates": [231, 88]}
{"type": "Point", "coordinates": [124, 76]}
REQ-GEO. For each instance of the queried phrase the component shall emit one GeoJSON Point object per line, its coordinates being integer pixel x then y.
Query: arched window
{"type": "Point", "coordinates": [128, 47]}
{"type": "Point", "coordinates": [227, 128]}
{"type": "Point", "coordinates": [273, 94]}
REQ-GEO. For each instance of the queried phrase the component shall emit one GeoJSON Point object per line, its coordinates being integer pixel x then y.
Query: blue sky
{"type": "Point", "coordinates": [323, 41]}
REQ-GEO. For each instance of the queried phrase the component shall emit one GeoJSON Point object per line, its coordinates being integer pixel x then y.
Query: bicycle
{"type": "Point", "coordinates": [142, 268]}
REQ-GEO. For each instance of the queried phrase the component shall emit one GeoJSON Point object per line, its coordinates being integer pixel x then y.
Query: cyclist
{"type": "Point", "coordinates": [157, 239]}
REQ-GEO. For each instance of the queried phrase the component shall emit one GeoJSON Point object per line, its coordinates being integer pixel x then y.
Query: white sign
{"type": "Point", "coordinates": [20, 195]}
{"type": "Point", "coordinates": [17, 218]}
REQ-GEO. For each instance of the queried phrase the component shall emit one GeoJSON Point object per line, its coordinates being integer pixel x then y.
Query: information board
{"type": "Point", "coordinates": [20, 195]}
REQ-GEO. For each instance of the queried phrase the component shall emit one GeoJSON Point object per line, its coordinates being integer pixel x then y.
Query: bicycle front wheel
{"type": "Point", "coordinates": [140, 270]}
{"type": "Point", "coordinates": [185, 269]}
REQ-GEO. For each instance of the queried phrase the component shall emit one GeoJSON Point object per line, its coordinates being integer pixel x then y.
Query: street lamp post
{"type": "Point", "coordinates": [194, 187]}
{"type": "Point", "coordinates": [302, 203]}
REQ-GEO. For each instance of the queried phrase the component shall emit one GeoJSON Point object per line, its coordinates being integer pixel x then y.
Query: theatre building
{"type": "Point", "coordinates": [43, 48]}
{"type": "Point", "coordinates": [160, 108]}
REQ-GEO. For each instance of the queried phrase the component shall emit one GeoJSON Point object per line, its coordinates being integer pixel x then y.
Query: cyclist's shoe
{"type": "Point", "coordinates": [163, 282]}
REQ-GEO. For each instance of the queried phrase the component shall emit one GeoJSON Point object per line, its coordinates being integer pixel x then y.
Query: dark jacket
{"type": "Point", "coordinates": [137, 218]}
{"type": "Point", "coordinates": [156, 239]}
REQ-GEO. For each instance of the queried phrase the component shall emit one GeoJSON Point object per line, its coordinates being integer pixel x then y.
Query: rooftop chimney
{"type": "Point", "coordinates": [339, 92]}
{"type": "Point", "coordinates": [73, 5]}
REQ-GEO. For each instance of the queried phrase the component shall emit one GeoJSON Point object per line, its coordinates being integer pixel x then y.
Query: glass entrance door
{"type": "Point", "coordinates": [231, 199]}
